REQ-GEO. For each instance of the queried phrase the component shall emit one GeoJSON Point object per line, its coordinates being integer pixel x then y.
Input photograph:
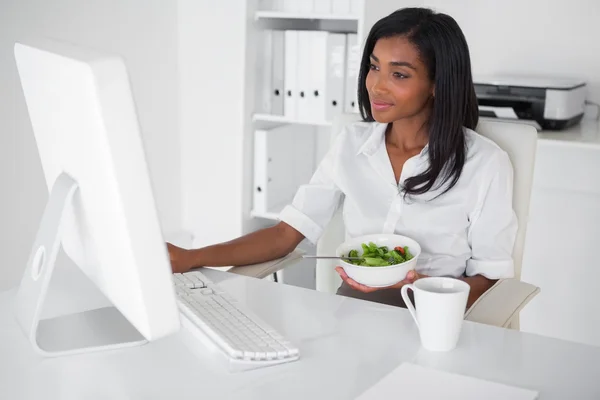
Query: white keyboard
{"type": "Point", "coordinates": [238, 333]}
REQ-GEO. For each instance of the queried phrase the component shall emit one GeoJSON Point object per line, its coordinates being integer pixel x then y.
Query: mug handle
{"type": "Point", "coordinates": [409, 304]}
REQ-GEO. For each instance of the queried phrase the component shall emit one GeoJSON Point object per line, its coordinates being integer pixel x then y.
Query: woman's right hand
{"type": "Point", "coordinates": [180, 259]}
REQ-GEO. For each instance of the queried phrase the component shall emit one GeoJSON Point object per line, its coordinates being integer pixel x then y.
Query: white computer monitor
{"type": "Point", "coordinates": [101, 207]}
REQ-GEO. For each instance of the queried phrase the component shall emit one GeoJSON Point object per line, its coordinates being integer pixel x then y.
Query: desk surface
{"type": "Point", "coordinates": [586, 133]}
{"type": "Point", "coordinates": [347, 345]}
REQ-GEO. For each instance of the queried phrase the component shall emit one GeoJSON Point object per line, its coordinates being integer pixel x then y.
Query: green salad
{"type": "Point", "coordinates": [379, 256]}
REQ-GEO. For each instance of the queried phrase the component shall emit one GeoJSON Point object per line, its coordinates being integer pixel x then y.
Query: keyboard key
{"type": "Point", "coordinates": [187, 282]}
{"type": "Point", "coordinates": [271, 354]}
{"type": "Point", "coordinates": [292, 350]}
{"type": "Point", "coordinates": [199, 283]}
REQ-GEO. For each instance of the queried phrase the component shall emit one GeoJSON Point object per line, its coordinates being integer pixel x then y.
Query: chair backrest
{"type": "Point", "coordinates": [520, 143]}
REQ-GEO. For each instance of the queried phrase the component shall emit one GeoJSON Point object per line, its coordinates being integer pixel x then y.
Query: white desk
{"type": "Point", "coordinates": [347, 345]}
{"type": "Point", "coordinates": [586, 133]}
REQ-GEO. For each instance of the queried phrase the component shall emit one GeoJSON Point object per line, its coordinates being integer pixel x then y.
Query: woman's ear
{"type": "Point", "coordinates": [433, 91]}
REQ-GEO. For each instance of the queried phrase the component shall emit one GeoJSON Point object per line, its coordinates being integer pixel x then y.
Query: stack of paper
{"type": "Point", "coordinates": [414, 382]}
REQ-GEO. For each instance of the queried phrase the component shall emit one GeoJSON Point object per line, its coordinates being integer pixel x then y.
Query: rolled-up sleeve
{"type": "Point", "coordinates": [315, 203]}
{"type": "Point", "coordinates": [493, 227]}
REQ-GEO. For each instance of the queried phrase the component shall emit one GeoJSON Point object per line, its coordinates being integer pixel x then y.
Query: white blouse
{"type": "Point", "coordinates": [469, 230]}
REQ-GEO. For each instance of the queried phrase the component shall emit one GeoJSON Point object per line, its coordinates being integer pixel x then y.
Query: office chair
{"type": "Point", "coordinates": [500, 305]}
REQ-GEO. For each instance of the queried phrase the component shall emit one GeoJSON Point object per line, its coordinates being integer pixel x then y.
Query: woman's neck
{"type": "Point", "coordinates": [409, 134]}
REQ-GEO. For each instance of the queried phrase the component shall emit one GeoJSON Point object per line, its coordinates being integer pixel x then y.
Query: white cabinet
{"type": "Point", "coordinates": [563, 234]}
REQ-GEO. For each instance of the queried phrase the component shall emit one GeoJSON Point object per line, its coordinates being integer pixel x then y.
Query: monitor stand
{"type": "Point", "coordinates": [90, 331]}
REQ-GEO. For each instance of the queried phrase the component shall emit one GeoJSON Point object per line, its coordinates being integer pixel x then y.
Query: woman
{"type": "Point", "coordinates": [413, 167]}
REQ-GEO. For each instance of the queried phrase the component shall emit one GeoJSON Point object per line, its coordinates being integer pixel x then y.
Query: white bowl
{"type": "Point", "coordinates": [379, 276]}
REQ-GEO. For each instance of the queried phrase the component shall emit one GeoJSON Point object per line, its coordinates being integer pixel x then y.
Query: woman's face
{"type": "Point", "coordinates": [398, 83]}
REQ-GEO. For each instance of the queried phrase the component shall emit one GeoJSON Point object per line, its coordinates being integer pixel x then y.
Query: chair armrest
{"type": "Point", "coordinates": [265, 269]}
{"type": "Point", "coordinates": [502, 302]}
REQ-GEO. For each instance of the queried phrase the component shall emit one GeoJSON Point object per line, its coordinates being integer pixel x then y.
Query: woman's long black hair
{"type": "Point", "coordinates": [444, 51]}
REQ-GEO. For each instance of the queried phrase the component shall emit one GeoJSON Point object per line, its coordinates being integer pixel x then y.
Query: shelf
{"type": "Point", "coordinates": [303, 16]}
{"type": "Point", "coordinates": [280, 119]}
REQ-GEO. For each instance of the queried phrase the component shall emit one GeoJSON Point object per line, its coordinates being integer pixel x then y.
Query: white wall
{"type": "Point", "coordinates": [217, 67]}
{"type": "Point", "coordinates": [545, 37]}
{"type": "Point", "coordinates": [144, 33]}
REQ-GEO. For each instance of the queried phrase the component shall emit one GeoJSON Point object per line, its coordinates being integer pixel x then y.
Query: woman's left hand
{"type": "Point", "coordinates": [411, 277]}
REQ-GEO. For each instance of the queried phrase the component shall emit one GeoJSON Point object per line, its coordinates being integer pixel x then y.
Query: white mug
{"type": "Point", "coordinates": [440, 309]}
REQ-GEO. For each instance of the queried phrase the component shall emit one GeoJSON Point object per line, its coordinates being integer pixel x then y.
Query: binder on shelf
{"type": "Point", "coordinates": [277, 89]}
{"type": "Point", "coordinates": [352, 68]}
{"type": "Point", "coordinates": [305, 6]}
{"type": "Point", "coordinates": [356, 7]}
{"type": "Point", "coordinates": [333, 100]}
{"type": "Point", "coordinates": [265, 82]}
{"type": "Point", "coordinates": [340, 7]}
{"type": "Point", "coordinates": [327, 76]}
{"type": "Point", "coordinates": [292, 6]}
{"type": "Point", "coordinates": [290, 73]}
{"type": "Point", "coordinates": [317, 53]}
{"type": "Point", "coordinates": [305, 75]}
{"type": "Point", "coordinates": [283, 161]}
{"type": "Point", "coordinates": [272, 5]}
{"type": "Point", "coordinates": [322, 7]}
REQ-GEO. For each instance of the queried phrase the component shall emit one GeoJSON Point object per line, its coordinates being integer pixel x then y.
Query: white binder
{"type": "Point", "coordinates": [322, 7]}
{"type": "Point", "coordinates": [290, 74]}
{"type": "Point", "coordinates": [305, 76]}
{"type": "Point", "coordinates": [260, 171]}
{"type": "Point", "coordinates": [291, 6]}
{"type": "Point", "coordinates": [264, 62]}
{"type": "Point", "coordinates": [277, 89]}
{"type": "Point", "coordinates": [317, 53]}
{"type": "Point", "coordinates": [340, 6]}
{"type": "Point", "coordinates": [352, 68]}
{"type": "Point", "coordinates": [356, 7]}
{"type": "Point", "coordinates": [271, 5]}
{"type": "Point", "coordinates": [335, 80]}
{"type": "Point", "coordinates": [305, 6]}
{"type": "Point", "coordinates": [283, 160]}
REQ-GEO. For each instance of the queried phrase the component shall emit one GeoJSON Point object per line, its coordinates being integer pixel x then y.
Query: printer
{"type": "Point", "coordinates": [546, 103]}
